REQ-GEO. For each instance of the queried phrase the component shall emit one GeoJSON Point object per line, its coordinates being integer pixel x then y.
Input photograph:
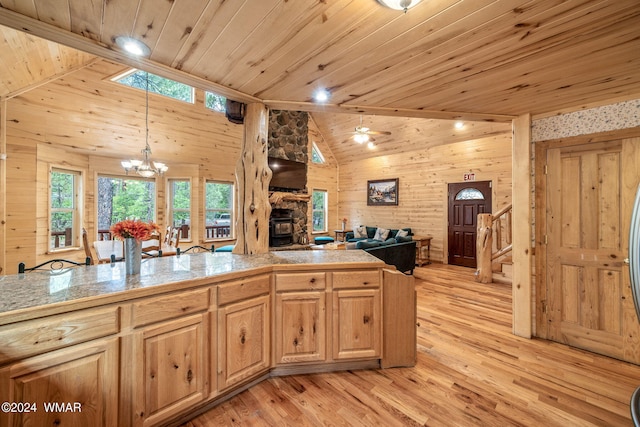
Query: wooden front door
{"type": "Point", "coordinates": [586, 301]}
{"type": "Point", "coordinates": [466, 201]}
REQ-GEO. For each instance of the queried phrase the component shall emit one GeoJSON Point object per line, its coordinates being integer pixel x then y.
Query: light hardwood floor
{"type": "Point", "coordinates": [471, 371]}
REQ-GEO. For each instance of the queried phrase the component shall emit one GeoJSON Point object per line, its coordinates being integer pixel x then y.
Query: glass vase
{"type": "Point", "coordinates": [132, 255]}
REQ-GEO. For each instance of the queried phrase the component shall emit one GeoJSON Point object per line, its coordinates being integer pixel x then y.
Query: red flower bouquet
{"type": "Point", "coordinates": [135, 228]}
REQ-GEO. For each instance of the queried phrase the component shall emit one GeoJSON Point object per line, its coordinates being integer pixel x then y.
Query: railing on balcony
{"type": "Point", "coordinates": [62, 238]}
{"type": "Point", "coordinates": [218, 231]}
{"type": "Point", "coordinates": [493, 241]}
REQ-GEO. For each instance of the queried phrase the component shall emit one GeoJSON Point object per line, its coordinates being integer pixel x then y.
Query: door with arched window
{"type": "Point", "coordinates": [466, 201]}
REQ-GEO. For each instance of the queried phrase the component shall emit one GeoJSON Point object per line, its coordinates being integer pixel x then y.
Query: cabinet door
{"type": "Point", "coordinates": [74, 386]}
{"type": "Point", "coordinates": [357, 324]}
{"type": "Point", "coordinates": [171, 362]}
{"type": "Point", "coordinates": [243, 340]}
{"type": "Point", "coordinates": [300, 327]}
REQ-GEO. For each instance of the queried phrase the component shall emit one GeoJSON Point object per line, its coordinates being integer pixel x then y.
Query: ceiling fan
{"type": "Point", "coordinates": [363, 134]}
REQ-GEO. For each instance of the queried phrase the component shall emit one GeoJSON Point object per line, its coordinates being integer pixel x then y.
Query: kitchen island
{"type": "Point", "coordinates": [190, 331]}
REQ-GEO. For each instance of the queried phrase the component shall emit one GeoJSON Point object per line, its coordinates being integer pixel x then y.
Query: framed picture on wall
{"type": "Point", "coordinates": [382, 192]}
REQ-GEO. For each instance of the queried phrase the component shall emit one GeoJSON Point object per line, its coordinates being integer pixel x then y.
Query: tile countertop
{"type": "Point", "coordinates": [22, 292]}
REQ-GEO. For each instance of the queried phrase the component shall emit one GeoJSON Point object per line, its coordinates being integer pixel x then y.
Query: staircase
{"type": "Point", "coordinates": [502, 271]}
{"type": "Point", "coordinates": [494, 247]}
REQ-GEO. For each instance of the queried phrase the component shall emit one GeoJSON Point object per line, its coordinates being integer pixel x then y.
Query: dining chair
{"type": "Point", "coordinates": [196, 249]}
{"type": "Point", "coordinates": [167, 235]}
{"type": "Point", "coordinates": [55, 265]}
{"type": "Point", "coordinates": [153, 245]}
{"type": "Point", "coordinates": [87, 248]}
{"type": "Point", "coordinates": [174, 237]}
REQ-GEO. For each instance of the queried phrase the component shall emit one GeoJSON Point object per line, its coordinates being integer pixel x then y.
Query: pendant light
{"type": "Point", "coordinates": [145, 167]}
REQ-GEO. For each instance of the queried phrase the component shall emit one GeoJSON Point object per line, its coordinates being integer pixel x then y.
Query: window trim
{"type": "Point", "coordinates": [325, 210]}
{"type": "Point", "coordinates": [232, 210]}
{"type": "Point", "coordinates": [77, 211]}
{"type": "Point", "coordinates": [170, 209]}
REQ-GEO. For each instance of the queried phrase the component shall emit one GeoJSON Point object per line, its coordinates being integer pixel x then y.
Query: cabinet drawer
{"type": "Point", "coordinates": [300, 281]}
{"type": "Point", "coordinates": [50, 333]}
{"type": "Point", "coordinates": [242, 289]}
{"type": "Point", "coordinates": [156, 309]}
{"type": "Point", "coordinates": [356, 279]}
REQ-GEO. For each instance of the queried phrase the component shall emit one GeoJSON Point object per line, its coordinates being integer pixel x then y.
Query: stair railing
{"type": "Point", "coordinates": [494, 234]}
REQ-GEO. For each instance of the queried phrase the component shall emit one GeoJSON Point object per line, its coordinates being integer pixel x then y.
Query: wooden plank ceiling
{"type": "Point", "coordinates": [486, 60]}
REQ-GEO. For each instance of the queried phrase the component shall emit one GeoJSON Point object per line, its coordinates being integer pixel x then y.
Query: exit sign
{"type": "Point", "coordinates": [469, 176]}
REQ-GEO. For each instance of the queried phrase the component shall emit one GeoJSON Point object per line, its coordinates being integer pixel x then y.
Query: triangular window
{"type": "Point", "coordinates": [316, 155]}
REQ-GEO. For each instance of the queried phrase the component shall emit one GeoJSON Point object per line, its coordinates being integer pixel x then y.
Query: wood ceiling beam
{"type": "Point", "coordinates": [386, 111]}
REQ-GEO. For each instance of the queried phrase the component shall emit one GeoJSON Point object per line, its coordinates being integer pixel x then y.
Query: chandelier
{"type": "Point", "coordinates": [145, 167]}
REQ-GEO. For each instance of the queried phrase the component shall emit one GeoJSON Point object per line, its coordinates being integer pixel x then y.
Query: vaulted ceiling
{"type": "Point", "coordinates": [484, 60]}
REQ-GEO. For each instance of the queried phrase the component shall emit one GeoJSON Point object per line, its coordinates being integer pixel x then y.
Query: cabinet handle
{"type": "Point", "coordinates": [313, 280]}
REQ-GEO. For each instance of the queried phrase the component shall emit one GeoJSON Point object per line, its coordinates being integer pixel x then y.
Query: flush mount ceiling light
{"type": "Point", "coordinates": [403, 5]}
{"type": "Point", "coordinates": [132, 46]}
{"type": "Point", "coordinates": [321, 95]}
{"type": "Point", "coordinates": [145, 167]}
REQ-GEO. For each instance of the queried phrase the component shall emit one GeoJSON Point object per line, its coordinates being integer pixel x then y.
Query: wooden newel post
{"type": "Point", "coordinates": [253, 176]}
{"type": "Point", "coordinates": [484, 243]}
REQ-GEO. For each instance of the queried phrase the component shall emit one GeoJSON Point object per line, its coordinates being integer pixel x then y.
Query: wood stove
{"type": "Point", "coordinates": [281, 227]}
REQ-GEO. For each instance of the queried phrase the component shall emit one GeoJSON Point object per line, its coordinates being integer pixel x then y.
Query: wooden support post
{"type": "Point", "coordinates": [3, 184]}
{"type": "Point", "coordinates": [253, 176]}
{"type": "Point", "coordinates": [484, 243]}
{"type": "Point", "coordinates": [521, 221]}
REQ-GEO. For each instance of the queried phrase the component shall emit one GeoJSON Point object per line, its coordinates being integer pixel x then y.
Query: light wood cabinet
{"type": "Point", "coordinates": [244, 331]}
{"type": "Point", "coordinates": [170, 349]}
{"type": "Point", "coordinates": [74, 386]}
{"type": "Point", "coordinates": [300, 323]}
{"type": "Point", "coordinates": [171, 361]}
{"type": "Point", "coordinates": [300, 318]}
{"type": "Point", "coordinates": [357, 315]}
{"type": "Point", "coordinates": [153, 359]}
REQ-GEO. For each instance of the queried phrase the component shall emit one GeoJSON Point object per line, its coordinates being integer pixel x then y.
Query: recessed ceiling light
{"type": "Point", "coordinates": [321, 95]}
{"type": "Point", "coordinates": [459, 125]}
{"type": "Point", "coordinates": [132, 46]}
{"type": "Point", "coordinates": [399, 4]}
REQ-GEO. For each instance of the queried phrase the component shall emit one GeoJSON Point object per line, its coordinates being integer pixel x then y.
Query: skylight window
{"type": "Point", "coordinates": [157, 84]}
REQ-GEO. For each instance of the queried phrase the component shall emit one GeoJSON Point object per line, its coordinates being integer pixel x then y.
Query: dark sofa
{"type": "Point", "coordinates": [401, 255]}
{"type": "Point", "coordinates": [395, 250]}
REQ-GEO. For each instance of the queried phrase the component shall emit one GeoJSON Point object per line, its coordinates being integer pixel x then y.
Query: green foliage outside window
{"type": "Point", "coordinates": [160, 85]}
{"type": "Point", "coordinates": [63, 207]}
{"type": "Point", "coordinates": [319, 212]}
{"type": "Point", "coordinates": [125, 198]}
{"type": "Point", "coordinates": [215, 102]}
{"type": "Point", "coordinates": [218, 204]}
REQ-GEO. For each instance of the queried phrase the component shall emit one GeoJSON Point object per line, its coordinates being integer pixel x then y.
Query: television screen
{"type": "Point", "coordinates": [287, 174]}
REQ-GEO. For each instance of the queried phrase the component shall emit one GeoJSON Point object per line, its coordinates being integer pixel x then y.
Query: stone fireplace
{"type": "Point", "coordinates": [288, 139]}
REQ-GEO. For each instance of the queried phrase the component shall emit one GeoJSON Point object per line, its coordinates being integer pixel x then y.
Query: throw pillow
{"type": "Point", "coordinates": [360, 232]}
{"type": "Point", "coordinates": [381, 234]}
{"type": "Point", "coordinates": [402, 233]}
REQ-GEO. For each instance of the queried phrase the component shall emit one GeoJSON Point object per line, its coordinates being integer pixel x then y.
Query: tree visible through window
{"type": "Point", "coordinates": [157, 84]}
{"type": "Point", "coordinates": [180, 214]}
{"type": "Point", "coordinates": [319, 211]}
{"type": "Point", "coordinates": [64, 208]}
{"type": "Point", "coordinates": [218, 213]}
{"type": "Point", "coordinates": [316, 155]}
{"type": "Point", "coordinates": [122, 198]}
{"type": "Point", "coordinates": [215, 102]}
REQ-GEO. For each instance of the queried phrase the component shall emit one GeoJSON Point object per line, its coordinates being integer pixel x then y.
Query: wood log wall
{"type": "Point", "coordinates": [423, 178]}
